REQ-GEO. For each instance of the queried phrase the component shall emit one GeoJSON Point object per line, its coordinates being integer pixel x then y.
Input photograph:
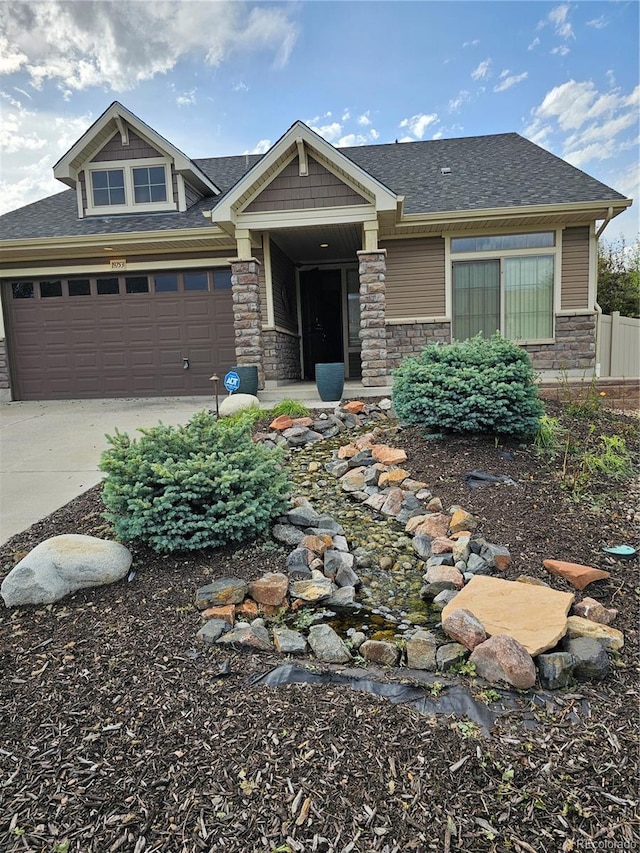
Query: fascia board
{"type": "Point", "coordinates": [526, 210]}
{"type": "Point", "coordinates": [385, 198]}
{"type": "Point", "coordinates": [206, 233]}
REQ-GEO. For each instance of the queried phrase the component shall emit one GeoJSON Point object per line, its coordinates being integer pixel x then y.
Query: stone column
{"type": "Point", "coordinates": [373, 266]}
{"type": "Point", "coordinates": [247, 320]}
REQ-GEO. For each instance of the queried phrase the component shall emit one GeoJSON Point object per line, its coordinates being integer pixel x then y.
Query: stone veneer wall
{"type": "Point", "coordinates": [574, 347]}
{"type": "Point", "coordinates": [373, 354]}
{"type": "Point", "coordinates": [5, 382]}
{"type": "Point", "coordinates": [408, 339]}
{"type": "Point", "coordinates": [281, 355]}
{"type": "Point", "coordinates": [247, 321]}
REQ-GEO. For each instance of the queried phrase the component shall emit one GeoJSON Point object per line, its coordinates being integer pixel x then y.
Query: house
{"type": "Point", "coordinates": [153, 270]}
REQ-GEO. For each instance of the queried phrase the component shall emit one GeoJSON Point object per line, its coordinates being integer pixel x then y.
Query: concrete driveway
{"type": "Point", "coordinates": [49, 451]}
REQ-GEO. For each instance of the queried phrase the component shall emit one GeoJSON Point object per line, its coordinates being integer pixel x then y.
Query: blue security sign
{"type": "Point", "coordinates": [232, 381]}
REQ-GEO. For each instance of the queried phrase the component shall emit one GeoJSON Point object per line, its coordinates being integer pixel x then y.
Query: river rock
{"type": "Point", "coordinates": [63, 564]}
{"type": "Point", "coordinates": [578, 575]}
{"type": "Point", "coordinates": [220, 592]}
{"type": "Point", "coordinates": [591, 609]}
{"type": "Point", "coordinates": [609, 638]}
{"type": "Point", "coordinates": [592, 662]}
{"type": "Point", "coordinates": [421, 651]}
{"type": "Point", "coordinates": [534, 616]}
{"type": "Point", "coordinates": [235, 403]}
{"type": "Point", "coordinates": [502, 658]}
{"type": "Point", "coordinates": [289, 642]}
{"type": "Point", "coordinates": [271, 589]}
{"type": "Point", "coordinates": [555, 669]}
{"type": "Point", "coordinates": [463, 627]}
{"type": "Point", "coordinates": [327, 645]}
{"type": "Point", "coordinates": [380, 651]}
{"type": "Point", "coordinates": [254, 637]}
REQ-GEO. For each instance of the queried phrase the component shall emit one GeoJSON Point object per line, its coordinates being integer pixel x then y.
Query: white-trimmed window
{"type": "Point", "coordinates": [139, 186]}
{"type": "Point", "coordinates": [505, 283]}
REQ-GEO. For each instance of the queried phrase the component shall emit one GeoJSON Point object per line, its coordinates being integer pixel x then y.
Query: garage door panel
{"type": "Point", "coordinates": [119, 345]}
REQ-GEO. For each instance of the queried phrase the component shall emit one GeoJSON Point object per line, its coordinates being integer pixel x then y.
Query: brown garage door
{"type": "Point", "coordinates": [133, 335]}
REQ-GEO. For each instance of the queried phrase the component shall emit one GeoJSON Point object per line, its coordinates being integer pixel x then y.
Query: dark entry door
{"type": "Point", "coordinates": [322, 332]}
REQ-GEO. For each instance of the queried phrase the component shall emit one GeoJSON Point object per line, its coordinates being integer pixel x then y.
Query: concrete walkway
{"type": "Point", "coordinates": [49, 451]}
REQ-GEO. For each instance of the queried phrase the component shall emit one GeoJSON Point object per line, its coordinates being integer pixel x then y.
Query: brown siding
{"type": "Point", "coordinates": [115, 150]}
{"type": "Point", "coordinates": [291, 191]}
{"type": "Point", "coordinates": [575, 268]}
{"type": "Point", "coordinates": [283, 276]}
{"type": "Point", "coordinates": [415, 278]}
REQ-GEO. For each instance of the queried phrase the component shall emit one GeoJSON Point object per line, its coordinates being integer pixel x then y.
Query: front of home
{"type": "Point", "coordinates": [154, 271]}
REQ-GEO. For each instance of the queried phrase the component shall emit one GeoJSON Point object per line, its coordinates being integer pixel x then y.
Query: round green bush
{"type": "Point", "coordinates": [478, 386]}
{"type": "Point", "coordinates": [189, 487]}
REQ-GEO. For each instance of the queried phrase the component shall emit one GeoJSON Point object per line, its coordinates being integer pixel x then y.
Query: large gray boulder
{"type": "Point", "coordinates": [235, 403]}
{"type": "Point", "coordinates": [61, 565]}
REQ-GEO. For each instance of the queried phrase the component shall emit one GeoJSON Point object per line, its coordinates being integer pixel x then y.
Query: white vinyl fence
{"type": "Point", "coordinates": [619, 346]}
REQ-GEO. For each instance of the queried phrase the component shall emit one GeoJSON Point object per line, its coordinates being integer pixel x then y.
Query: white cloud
{"type": "Point", "coordinates": [261, 147]}
{"type": "Point", "coordinates": [346, 115]}
{"type": "Point", "coordinates": [186, 99]}
{"type": "Point", "coordinates": [560, 50]}
{"type": "Point", "coordinates": [351, 139]}
{"type": "Point", "coordinates": [510, 80]}
{"type": "Point", "coordinates": [534, 43]}
{"type": "Point", "coordinates": [611, 78]}
{"type": "Point", "coordinates": [364, 119]}
{"type": "Point", "coordinates": [598, 23]}
{"type": "Point", "coordinates": [471, 43]}
{"type": "Point", "coordinates": [406, 139]}
{"type": "Point", "coordinates": [373, 133]}
{"type": "Point", "coordinates": [330, 132]}
{"type": "Point", "coordinates": [117, 45]}
{"type": "Point", "coordinates": [461, 98]}
{"type": "Point", "coordinates": [559, 17]}
{"type": "Point", "coordinates": [418, 124]}
{"type": "Point", "coordinates": [438, 135]}
{"type": "Point", "coordinates": [482, 70]}
{"type": "Point", "coordinates": [240, 87]}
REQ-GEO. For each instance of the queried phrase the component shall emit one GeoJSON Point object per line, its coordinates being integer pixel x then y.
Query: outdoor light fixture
{"type": "Point", "coordinates": [324, 245]}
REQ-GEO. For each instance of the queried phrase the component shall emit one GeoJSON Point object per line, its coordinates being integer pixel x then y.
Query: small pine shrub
{"type": "Point", "coordinates": [184, 488]}
{"type": "Point", "coordinates": [290, 407]}
{"type": "Point", "coordinates": [478, 386]}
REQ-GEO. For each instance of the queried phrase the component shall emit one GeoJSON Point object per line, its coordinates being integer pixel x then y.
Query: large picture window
{"type": "Point", "coordinates": [512, 292]}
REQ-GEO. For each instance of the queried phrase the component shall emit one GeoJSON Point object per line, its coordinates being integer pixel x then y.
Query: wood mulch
{"type": "Point", "coordinates": [117, 732]}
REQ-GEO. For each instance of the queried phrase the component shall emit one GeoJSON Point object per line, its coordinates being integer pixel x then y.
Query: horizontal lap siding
{"type": "Point", "coordinates": [291, 191]}
{"type": "Point", "coordinates": [415, 278]}
{"type": "Point", "coordinates": [575, 268]}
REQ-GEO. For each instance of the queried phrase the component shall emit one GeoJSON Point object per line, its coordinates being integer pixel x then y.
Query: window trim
{"type": "Point", "coordinates": [555, 251]}
{"type": "Point", "coordinates": [127, 167]}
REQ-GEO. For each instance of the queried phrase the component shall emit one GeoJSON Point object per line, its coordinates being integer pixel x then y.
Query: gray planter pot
{"type": "Point", "coordinates": [330, 380]}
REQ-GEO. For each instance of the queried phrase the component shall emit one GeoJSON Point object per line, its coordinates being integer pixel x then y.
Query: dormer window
{"type": "Point", "coordinates": [136, 186]}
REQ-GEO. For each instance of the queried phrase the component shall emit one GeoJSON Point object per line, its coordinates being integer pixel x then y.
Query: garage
{"type": "Point", "coordinates": [138, 334]}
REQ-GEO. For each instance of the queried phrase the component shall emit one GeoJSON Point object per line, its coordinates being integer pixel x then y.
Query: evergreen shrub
{"type": "Point", "coordinates": [184, 488]}
{"type": "Point", "coordinates": [477, 386]}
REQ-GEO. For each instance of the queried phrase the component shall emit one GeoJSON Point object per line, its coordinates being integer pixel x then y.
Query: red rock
{"type": "Point", "coordinates": [578, 575]}
{"type": "Point", "coordinates": [414, 522]}
{"type": "Point", "coordinates": [365, 441]}
{"type": "Point", "coordinates": [306, 422]}
{"type": "Point", "coordinates": [393, 477]}
{"type": "Point", "coordinates": [317, 544]}
{"type": "Point", "coordinates": [388, 455]}
{"type": "Point", "coordinates": [462, 520]}
{"type": "Point", "coordinates": [226, 612]}
{"type": "Point", "coordinates": [463, 627]}
{"type": "Point", "coordinates": [273, 609]}
{"type": "Point", "coordinates": [501, 658]}
{"type": "Point", "coordinates": [434, 525]}
{"type": "Point", "coordinates": [435, 505]}
{"type": "Point", "coordinates": [393, 502]}
{"type": "Point", "coordinates": [248, 608]}
{"type": "Point", "coordinates": [281, 423]}
{"type": "Point", "coordinates": [354, 407]}
{"type": "Point", "coordinates": [347, 451]}
{"type": "Point", "coordinates": [441, 545]}
{"type": "Point", "coordinates": [593, 610]}
{"type": "Point", "coordinates": [270, 589]}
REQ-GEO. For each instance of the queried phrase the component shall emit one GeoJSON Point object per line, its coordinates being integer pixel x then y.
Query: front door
{"type": "Point", "coordinates": [322, 319]}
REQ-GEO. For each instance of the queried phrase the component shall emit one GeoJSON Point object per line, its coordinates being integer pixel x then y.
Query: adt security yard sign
{"type": "Point", "coordinates": [232, 381]}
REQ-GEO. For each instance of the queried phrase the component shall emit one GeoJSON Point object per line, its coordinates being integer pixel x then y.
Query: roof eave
{"type": "Point", "coordinates": [596, 209]}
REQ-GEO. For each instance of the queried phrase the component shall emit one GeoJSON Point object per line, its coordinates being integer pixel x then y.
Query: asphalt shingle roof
{"type": "Point", "coordinates": [502, 170]}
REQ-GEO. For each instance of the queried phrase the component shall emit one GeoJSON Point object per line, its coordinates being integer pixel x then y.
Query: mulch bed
{"type": "Point", "coordinates": [118, 733]}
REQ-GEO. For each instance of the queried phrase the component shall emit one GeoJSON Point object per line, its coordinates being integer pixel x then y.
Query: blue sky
{"type": "Point", "coordinates": [225, 78]}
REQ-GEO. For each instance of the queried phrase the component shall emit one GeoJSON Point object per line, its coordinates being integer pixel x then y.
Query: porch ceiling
{"type": "Point", "coordinates": [303, 245]}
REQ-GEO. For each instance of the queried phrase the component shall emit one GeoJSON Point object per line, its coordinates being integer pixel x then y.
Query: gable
{"type": "Point", "coordinates": [137, 148]}
{"type": "Point", "coordinates": [291, 190]}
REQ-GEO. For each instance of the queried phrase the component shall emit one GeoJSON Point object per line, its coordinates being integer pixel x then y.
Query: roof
{"type": "Point", "coordinates": [501, 170]}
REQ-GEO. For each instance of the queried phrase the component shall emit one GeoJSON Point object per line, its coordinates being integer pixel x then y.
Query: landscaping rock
{"type": "Point", "coordinates": [63, 564]}
{"type": "Point", "coordinates": [253, 637]}
{"type": "Point", "coordinates": [421, 651]}
{"type": "Point", "coordinates": [289, 642]}
{"type": "Point", "coordinates": [303, 516]}
{"type": "Point", "coordinates": [357, 639]}
{"type": "Point", "coordinates": [334, 561]}
{"type": "Point", "coordinates": [502, 658]}
{"type": "Point", "coordinates": [281, 423]}
{"type": "Point", "coordinates": [462, 520]}
{"type": "Point", "coordinates": [211, 631]}
{"type": "Point", "coordinates": [313, 590]}
{"type": "Point", "coordinates": [422, 546]}
{"type": "Point", "coordinates": [476, 565]}
{"type": "Point", "coordinates": [287, 534]}
{"type": "Point", "coordinates": [434, 525]}
{"type": "Point", "coordinates": [496, 555]}
{"type": "Point", "coordinates": [381, 652]}
{"type": "Point", "coordinates": [345, 576]}
{"type": "Point", "coordinates": [271, 588]}
{"type": "Point", "coordinates": [463, 627]}
{"type": "Point", "coordinates": [222, 591]}
{"type": "Point", "coordinates": [388, 455]}
{"type": "Point", "coordinates": [226, 612]}
{"type": "Point", "coordinates": [591, 609]}
{"type": "Point", "coordinates": [353, 480]}
{"type": "Point", "coordinates": [298, 564]}
{"type": "Point", "coordinates": [578, 575]}
{"type": "Point", "coordinates": [235, 403]}
{"type": "Point", "coordinates": [592, 662]}
{"type": "Point", "coordinates": [393, 502]}
{"type": "Point", "coordinates": [343, 597]}
{"type": "Point", "coordinates": [555, 669]}
{"type": "Point", "coordinates": [337, 468]}
{"type": "Point", "coordinates": [327, 645]}
{"type": "Point", "coordinates": [443, 598]}
{"type": "Point", "coordinates": [316, 544]}
{"type": "Point", "coordinates": [449, 655]}
{"type": "Point", "coordinates": [531, 581]}
{"type": "Point", "coordinates": [439, 578]}
{"type": "Point", "coordinates": [609, 638]}
{"type": "Point", "coordinates": [534, 616]}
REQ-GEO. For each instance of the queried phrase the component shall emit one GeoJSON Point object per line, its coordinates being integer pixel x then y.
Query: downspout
{"type": "Point", "coordinates": [607, 220]}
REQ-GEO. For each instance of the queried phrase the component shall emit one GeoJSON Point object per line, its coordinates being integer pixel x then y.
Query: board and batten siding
{"type": "Point", "coordinates": [575, 268]}
{"type": "Point", "coordinates": [283, 280]}
{"type": "Point", "coordinates": [291, 191]}
{"type": "Point", "coordinates": [415, 281]}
